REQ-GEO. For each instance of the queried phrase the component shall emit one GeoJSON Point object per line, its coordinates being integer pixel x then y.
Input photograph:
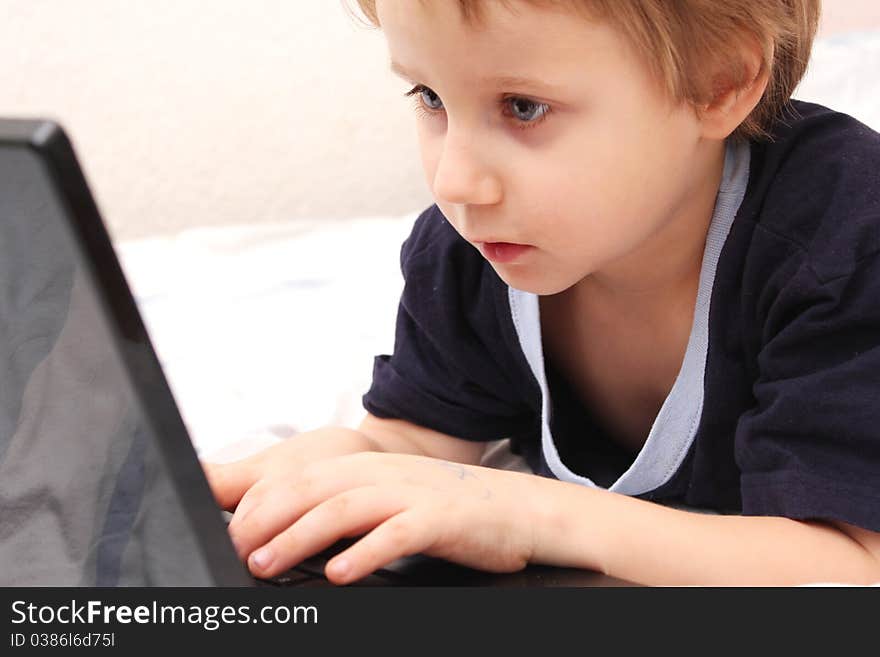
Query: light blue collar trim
{"type": "Point", "coordinates": [676, 424]}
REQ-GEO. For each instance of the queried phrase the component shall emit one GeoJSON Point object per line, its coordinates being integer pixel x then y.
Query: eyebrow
{"type": "Point", "coordinates": [499, 81]}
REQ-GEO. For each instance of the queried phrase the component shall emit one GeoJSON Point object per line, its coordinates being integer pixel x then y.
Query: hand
{"type": "Point", "coordinates": [229, 481]}
{"type": "Point", "coordinates": [405, 504]}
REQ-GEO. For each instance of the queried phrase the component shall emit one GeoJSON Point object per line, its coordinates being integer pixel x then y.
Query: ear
{"type": "Point", "coordinates": [733, 100]}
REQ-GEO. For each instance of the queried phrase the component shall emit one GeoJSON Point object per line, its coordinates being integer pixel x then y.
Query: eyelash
{"type": "Point", "coordinates": [420, 108]}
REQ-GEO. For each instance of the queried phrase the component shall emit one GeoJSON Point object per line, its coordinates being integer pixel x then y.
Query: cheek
{"type": "Point", "coordinates": [588, 202]}
{"type": "Point", "coordinates": [565, 196]}
{"type": "Point", "coordinates": [628, 176]}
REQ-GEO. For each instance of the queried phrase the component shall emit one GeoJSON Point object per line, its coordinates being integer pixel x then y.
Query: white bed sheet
{"type": "Point", "coordinates": [266, 331]}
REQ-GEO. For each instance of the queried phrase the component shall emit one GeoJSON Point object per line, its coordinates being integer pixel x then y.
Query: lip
{"type": "Point", "coordinates": [503, 252]}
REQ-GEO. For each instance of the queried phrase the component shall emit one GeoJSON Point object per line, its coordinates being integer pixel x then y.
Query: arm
{"type": "Point", "coordinates": [652, 544]}
{"type": "Point", "coordinates": [499, 520]}
{"type": "Point", "coordinates": [405, 437]}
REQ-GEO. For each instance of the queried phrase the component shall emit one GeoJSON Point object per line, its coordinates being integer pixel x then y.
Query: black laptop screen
{"type": "Point", "coordinates": [84, 500]}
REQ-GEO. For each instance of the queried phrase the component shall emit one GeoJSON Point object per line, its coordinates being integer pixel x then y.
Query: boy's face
{"type": "Point", "coordinates": [589, 166]}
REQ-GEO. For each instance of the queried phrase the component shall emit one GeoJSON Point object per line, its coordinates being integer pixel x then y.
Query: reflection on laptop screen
{"type": "Point", "coordinates": [84, 500]}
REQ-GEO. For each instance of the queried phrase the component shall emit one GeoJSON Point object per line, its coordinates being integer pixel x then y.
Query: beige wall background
{"type": "Point", "coordinates": [190, 113]}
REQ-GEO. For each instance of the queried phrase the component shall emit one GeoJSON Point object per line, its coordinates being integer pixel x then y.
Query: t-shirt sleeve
{"type": "Point", "coordinates": [810, 447]}
{"type": "Point", "coordinates": [453, 369]}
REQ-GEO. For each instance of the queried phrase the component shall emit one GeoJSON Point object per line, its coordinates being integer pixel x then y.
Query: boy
{"type": "Point", "coordinates": [645, 267]}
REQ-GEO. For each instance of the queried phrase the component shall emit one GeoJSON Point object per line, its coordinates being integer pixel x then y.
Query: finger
{"type": "Point", "coordinates": [399, 536]}
{"type": "Point", "coordinates": [230, 481]}
{"type": "Point", "coordinates": [349, 513]}
{"type": "Point", "coordinates": [266, 509]}
{"type": "Point", "coordinates": [273, 504]}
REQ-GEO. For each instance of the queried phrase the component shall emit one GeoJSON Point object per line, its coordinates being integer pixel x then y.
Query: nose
{"type": "Point", "coordinates": [462, 177]}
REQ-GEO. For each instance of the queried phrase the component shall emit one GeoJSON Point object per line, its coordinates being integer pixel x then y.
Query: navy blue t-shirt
{"type": "Point", "coordinates": [776, 410]}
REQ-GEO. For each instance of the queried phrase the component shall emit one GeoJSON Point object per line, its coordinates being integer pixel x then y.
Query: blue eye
{"type": "Point", "coordinates": [527, 110]}
{"type": "Point", "coordinates": [431, 100]}
{"type": "Point", "coordinates": [425, 97]}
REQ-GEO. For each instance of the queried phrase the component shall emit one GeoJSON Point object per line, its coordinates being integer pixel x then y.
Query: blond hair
{"type": "Point", "coordinates": [695, 47]}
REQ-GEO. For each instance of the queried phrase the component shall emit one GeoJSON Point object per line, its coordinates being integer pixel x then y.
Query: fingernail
{"type": "Point", "coordinates": [340, 567]}
{"type": "Point", "coordinates": [262, 558]}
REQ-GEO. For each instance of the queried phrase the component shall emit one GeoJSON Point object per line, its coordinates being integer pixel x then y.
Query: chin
{"type": "Point", "coordinates": [532, 282]}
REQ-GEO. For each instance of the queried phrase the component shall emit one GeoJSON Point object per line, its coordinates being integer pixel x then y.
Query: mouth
{"type": "Point", "coordinates": [502, 252]}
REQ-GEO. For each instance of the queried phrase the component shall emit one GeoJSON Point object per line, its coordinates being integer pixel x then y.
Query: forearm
{"type": "Point", "coordinates": [401, 437]}
{"type": "Point", "coordinates": [336, 440]}
{"type": "Point", "coordinates": [651, 544]}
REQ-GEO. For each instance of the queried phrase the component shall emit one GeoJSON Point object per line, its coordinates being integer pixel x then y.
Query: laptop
{"type": "Point", "coordinates": [100, 484]}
